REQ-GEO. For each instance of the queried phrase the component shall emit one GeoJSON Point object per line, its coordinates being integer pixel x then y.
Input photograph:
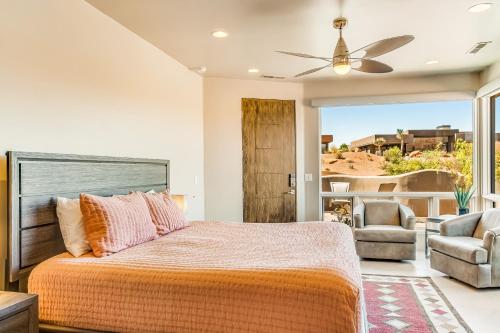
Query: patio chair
{"type": "Point", "coordinates": [339, 187]}
{"type": "Point", "coordinates": [338, 205]}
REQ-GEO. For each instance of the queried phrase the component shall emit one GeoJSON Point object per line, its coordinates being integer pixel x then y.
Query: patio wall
{"type": "Point", "coordinates": [417, 181]}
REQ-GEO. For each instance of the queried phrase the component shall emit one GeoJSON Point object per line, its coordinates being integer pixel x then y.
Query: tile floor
{"type": "Point", "coordinates": [479, 308]}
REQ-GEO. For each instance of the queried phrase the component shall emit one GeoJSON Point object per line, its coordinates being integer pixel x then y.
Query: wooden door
{"type": "Point", "coordinates": [268, 160]}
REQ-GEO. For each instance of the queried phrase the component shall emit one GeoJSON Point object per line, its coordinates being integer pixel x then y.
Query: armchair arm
{"type": "Point", "coordinates": [460, 226]}
{"type": "Point", "coordinates": [489, 238]}
{"type": "Point", "coordinates": [359, 215]}
{"type": "Point", "coordinates": [491, 241]}
{"type": "Point", "coordinates": [407, 217]}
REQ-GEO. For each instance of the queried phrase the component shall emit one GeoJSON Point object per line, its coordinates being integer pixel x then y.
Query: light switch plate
{"type": "Point", "coordinates": [308, 177]}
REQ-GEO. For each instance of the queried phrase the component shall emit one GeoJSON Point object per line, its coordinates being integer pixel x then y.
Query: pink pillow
{"type": "Point", "coordinates": [115, 223]}
{"type": "Point", "coordinates": [165, 213]}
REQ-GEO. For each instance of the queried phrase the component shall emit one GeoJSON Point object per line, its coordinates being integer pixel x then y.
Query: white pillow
{"type": "Point", "coordinates": [71, 224]}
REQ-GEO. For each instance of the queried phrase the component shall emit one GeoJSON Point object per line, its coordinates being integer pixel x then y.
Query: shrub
{"type": "Point", "coordinates": [344, 148]}
{"type": "Point", "coordinates": [336, 152]}
{"type": "Point", "coordinates": [459, 163]}
{"type": "Point", "coordinates": [463, 157]}
{"type": "Point", "coordinates": [405, 166]}
{"type": "Point", "coordinates": [393, 155]}
{"type": "Point", "coordinates": [497, 165]}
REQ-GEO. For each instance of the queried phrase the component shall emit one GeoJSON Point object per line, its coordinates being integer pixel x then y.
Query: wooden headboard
{"type": "Point", "coordinates": [35, 180]}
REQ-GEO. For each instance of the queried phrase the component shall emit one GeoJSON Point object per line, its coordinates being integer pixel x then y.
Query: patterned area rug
{"type": "Point", "coordinates": [409, 305]}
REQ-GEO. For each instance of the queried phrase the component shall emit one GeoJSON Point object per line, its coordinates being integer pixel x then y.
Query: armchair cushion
{"type": "Point", "coordinates": [469, 249]}
{"type": "Point", "coordinates": [382, 212]}
{"type": "Point", "coordinates": [385, 233]}
{"type": "Point", "coordinates": [489, 220]}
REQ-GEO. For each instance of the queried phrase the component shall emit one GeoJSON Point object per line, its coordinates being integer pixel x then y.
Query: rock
{"type": "Point", "coordinates": [416, 153]}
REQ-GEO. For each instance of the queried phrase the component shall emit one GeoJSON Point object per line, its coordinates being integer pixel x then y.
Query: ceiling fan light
{"type": "Point", "coordinates": [342, 69]}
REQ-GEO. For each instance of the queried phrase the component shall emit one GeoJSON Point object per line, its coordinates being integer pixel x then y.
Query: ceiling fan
{"type": "Point", "coordinates": [343, 60]}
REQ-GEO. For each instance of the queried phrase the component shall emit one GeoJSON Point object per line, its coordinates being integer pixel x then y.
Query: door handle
{"type": "Point", "coordinates": [292, 192]}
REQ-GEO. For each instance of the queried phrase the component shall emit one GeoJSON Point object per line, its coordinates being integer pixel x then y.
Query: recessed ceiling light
{"type": "Point", "coordinates": [480, 7]}
{"type": "Point", "coordinates": [219, 33]}
{"type": "Point", "coordinates": [431, 62]}
{"type": "Point", "coordinates": [253, 70]}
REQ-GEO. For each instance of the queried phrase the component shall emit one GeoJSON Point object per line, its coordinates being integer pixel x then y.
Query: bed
{"type": "Point", "coordinates": [209, 277]}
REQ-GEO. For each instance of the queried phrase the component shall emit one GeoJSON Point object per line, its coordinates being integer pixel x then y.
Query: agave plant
{"type": "Point", "coordinates": [463, 194]}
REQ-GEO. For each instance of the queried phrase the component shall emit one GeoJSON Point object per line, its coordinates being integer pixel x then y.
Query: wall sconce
{"type": "Point", "coordinates": [180, 200]}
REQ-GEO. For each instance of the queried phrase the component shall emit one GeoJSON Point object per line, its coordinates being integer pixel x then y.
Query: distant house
{"type": "Point", "coordinates": [415, 140]}
{"type": "Point", "coordinates": [326, 139]}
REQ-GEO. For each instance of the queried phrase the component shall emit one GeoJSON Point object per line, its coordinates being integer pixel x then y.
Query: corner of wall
{"type": "Point", "coordinates": [490, 73]}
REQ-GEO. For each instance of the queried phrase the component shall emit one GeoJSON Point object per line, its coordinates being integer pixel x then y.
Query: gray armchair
{"type": "Point", "coordinates": [468, 248]}
{"type": "Point", "coordinates": [385, 229]}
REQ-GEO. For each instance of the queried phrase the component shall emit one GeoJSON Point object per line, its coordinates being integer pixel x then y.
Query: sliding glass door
{"type": "Point", "coordinates": [413, 152]}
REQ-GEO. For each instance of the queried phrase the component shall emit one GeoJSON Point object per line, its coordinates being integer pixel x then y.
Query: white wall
{"type": "Point", "coordinates": [72, 80]}
{"type": "Point", "coordinates": [223, 144]}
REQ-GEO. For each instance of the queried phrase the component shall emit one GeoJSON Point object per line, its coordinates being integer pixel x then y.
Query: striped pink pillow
{"type": "Point", "coordinates": [165, 213]}
{"type": "Point", "coordinates": [115, 223]}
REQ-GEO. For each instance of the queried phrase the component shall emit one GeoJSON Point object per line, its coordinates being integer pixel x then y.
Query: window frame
{"type": "Point", "coordinates": [491, 100]}
{"type": "Point", "coordinates": [477, 134]}
{"type": "Point", "coordinates": [485, 97]}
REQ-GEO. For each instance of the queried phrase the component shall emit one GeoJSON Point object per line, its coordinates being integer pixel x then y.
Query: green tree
{"type": "Point", "coordinates": [379, 142]}
{"type": "Point", "coordinates": [401, 135]}
{"type": "Point", "coordinates": [344, 148]}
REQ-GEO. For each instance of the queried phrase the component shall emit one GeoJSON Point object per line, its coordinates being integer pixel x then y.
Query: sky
{"type": "Point", "coordinates": [349, 123]}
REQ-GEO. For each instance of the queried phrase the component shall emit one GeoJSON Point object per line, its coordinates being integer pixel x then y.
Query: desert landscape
{"type": "Point", "coordinates": [433, 170]}
{"type": "Point", "coordinates": [353, 164]}
{"type": "Point", "coordinates": [392, 162]}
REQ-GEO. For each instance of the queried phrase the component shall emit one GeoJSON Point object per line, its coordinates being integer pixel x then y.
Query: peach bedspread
{"type": "Point", "coordinates": [211, 277]}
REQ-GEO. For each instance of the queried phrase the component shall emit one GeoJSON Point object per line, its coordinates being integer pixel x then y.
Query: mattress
{"type": "Point", "coordinates": [211, 277]}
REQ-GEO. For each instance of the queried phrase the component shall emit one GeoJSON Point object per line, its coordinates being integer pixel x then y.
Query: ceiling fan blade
{"type": "Point", "coordinates": [312, 70]}
{"type": "Point", "coordinates": [385, 45]}
{"type": "Point", "coordinates": [303, 55]}
{"type": "Point", "coordinates": [371, 66]}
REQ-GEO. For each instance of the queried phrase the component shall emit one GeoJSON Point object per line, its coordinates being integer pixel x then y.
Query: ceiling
{"type": "Point", "coordinates": [444, 30]}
